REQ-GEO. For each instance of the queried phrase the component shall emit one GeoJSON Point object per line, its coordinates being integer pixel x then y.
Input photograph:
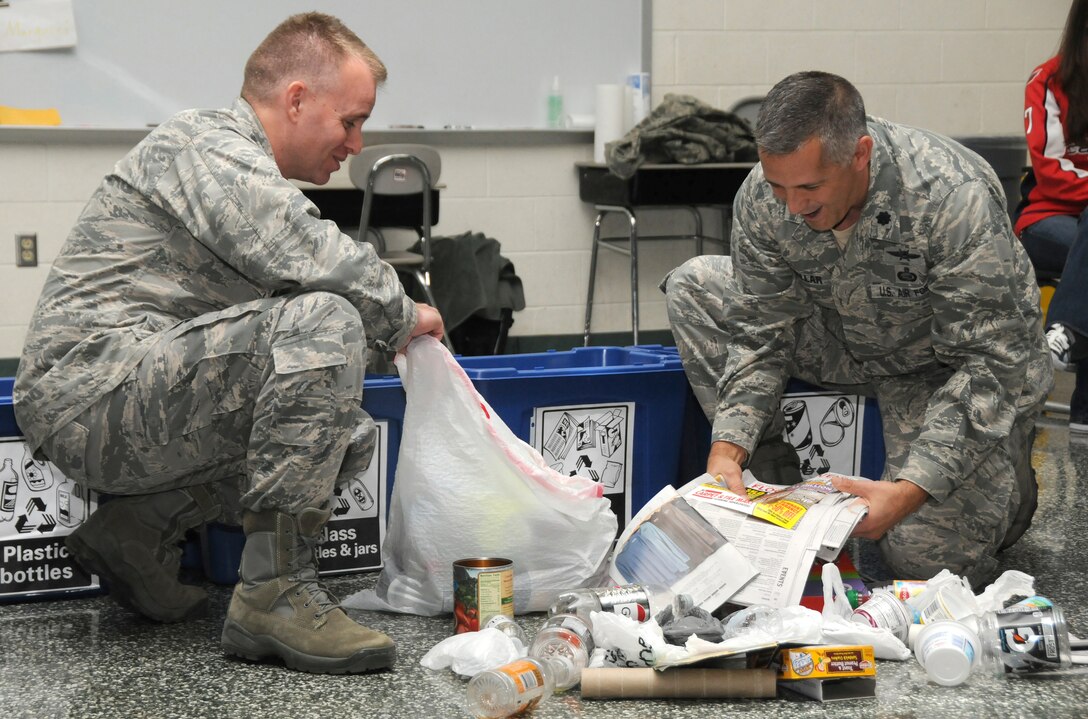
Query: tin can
{"type": "Point", "coordinates": [482, 588]}
{"type": "Point", "coordinates": [884, 609]}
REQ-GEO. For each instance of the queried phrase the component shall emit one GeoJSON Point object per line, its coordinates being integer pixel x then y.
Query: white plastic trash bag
{"type": "Point", "coordinates": [466, 486]}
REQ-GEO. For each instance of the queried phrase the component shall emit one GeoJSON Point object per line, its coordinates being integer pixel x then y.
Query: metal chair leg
{"type": "Point", "coordinates": [632, 239]}
{"type": "Point", "coordinates": [592, 274]}
{"type": "Point", "coordinates": [424, 282]}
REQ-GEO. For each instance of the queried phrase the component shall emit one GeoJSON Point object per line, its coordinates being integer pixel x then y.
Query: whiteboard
{"type": "Point", "coordinates": [479, 63]}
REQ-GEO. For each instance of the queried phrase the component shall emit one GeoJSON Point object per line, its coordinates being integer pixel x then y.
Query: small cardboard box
{"type": "Point", "coordinates": [826, 662]}
{"type": "Point", "coordinates": [832, 690]}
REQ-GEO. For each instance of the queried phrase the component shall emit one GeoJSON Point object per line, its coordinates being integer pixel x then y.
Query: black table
{"type": "Point", "coordinates": [654, 187]}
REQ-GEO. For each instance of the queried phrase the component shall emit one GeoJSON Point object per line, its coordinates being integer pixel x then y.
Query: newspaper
{"type": "Point", "coordinates": [782, 557]}
{"type": "Point", "coordinates": [670, 544]}
{"type": "Point", "coordinates": [783, 506]}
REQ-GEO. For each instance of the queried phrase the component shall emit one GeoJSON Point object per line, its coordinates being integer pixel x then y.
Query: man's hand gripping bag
{"type": "Point", "coordinates": [466, 486]}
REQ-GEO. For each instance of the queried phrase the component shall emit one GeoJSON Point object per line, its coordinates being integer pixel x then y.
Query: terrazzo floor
{"type": "Point", "coordinates": [90, 658]}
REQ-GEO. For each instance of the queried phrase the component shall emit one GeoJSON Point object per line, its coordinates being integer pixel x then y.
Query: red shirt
{"type": "Point", "coordinates": [1060, 167]}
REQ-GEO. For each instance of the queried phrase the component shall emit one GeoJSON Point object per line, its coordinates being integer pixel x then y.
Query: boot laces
{"type": "Point", "coordinates": [304, 572]}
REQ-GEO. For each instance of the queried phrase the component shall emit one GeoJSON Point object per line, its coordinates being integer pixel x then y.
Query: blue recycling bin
{"type": "Point", "coordinates": [602, 384]}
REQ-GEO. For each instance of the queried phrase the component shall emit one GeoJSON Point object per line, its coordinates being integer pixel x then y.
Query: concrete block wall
{"type": "Point", "coordinates": [955, 67]}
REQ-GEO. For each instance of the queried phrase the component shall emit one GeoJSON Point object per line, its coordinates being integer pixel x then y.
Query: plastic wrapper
{"type": "Point", "coordinates": [470, 653]}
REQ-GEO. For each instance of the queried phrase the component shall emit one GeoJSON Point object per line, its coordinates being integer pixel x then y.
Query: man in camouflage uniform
{"type": "Point", "coordinates": [202, 338]}
{"type": "Point", "coordinates": [876, 259]}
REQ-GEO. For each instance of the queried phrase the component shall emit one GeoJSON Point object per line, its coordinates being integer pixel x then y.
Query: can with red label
{"type": "Point", "coordinates": [482, 588]}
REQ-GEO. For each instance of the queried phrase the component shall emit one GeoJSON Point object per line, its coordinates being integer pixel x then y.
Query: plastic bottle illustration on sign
{"type": "Point", "coordinates": [823, 446]}
{"type": "Point", "coordinates": [36, 474]}
{"type": "Point", "coordinates": [35, 498]}
{"type": "Point", "coordinates": [71, 505]}
{"type": "Point", "coordinates": [9, 490]}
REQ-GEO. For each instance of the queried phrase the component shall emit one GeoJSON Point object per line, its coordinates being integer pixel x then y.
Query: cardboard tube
{"type": "Point", "coordinates": [695, 683]}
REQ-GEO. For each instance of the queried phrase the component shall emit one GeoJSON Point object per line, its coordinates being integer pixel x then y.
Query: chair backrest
{"type": "Point", "coordinates": [394, 169]}
{"type": "Point", "coordinates": [748, 109]}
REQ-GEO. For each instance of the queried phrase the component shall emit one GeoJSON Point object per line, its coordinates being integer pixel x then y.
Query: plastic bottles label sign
{"type": "Point", "coordinates": [39, 506]}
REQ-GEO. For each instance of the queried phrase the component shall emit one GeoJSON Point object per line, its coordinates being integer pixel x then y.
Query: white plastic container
{"type": "Point", "coordinates": [950, 599]}
{"type": "Point", "coordinates": [948, 651]}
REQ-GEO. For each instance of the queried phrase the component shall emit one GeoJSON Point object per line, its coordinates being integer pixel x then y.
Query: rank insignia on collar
{"type": "Point", "coordinates": [884, 218]}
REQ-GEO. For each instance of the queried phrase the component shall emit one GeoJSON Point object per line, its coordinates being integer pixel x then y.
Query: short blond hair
{"type": "Point", "coordinates": [310, 47]}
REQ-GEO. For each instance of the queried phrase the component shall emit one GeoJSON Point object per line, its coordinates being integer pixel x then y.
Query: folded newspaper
{"type": "Point", "coordinates": [820, 520]}
{"type": "Point", "coordinates": [783, 506]}
{"type": "Point", "coordinates": [669, 544]}
{"type": "Point", "coordinates": [705, 542]}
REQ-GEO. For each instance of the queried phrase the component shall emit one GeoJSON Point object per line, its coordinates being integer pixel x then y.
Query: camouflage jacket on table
{"type": "Point", "coordinates": [932, 280]}
{"type": "Point", "coordinates": [196, 219]}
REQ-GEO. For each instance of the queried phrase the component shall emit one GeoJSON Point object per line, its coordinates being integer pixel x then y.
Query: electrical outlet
{"type": "Point", "coordinates": [26, 249]}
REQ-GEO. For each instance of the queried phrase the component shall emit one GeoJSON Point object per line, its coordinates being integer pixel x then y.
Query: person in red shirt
{"type": "Point", "coordinates": [1052, 219]}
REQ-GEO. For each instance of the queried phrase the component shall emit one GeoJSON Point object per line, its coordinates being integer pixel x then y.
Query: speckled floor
{"type": "Point", "coordinates": [90, 658]}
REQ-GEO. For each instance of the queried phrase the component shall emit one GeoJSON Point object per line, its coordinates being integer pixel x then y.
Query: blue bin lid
{"type": "Point", "coordinates": [578, 361]}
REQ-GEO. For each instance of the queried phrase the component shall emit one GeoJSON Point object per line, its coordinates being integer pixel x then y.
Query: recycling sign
{"type": "Point", "coordinates": [39, 507]}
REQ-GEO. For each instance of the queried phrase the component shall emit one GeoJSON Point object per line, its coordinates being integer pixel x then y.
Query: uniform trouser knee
{"type": "Point", "coordinates": [260, 398]}
{"type": "Point", "coordinates": [308, 404]}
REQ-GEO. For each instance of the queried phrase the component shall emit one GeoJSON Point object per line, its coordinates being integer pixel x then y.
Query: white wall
{"type": "Point", "coordinates": [956, 67]}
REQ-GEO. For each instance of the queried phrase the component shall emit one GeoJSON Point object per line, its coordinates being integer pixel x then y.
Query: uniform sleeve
{"type": "Point", "coordinates": [1056, 177]}
{"type": "Point", "coordinates": [979, 289]}
{"type": "Point", "coordinates": [232, 199]}
{"type": "Point", "coordinates": [764, 305]}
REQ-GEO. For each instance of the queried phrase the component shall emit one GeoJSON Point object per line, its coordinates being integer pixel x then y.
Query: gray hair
{"type": "Point", "coordinates": [812, 104]}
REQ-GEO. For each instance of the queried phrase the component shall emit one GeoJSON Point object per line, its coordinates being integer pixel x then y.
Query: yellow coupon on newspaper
{"type": "Point", "coordinates": [780, 505]}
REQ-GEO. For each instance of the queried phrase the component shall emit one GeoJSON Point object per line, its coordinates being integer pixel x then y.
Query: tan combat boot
{"type": "Point", "coordinates": [133, 543]}
{"type": "Point", "coordinates": [281, 610]}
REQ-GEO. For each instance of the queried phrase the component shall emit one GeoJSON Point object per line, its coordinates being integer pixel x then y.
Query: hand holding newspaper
{"type": "Point", "coordinates": [780, 505]}
{"type": "Point", "coordinates": [819, 518]}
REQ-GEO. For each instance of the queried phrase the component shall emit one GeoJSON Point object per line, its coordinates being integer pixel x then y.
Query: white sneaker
{"type": "Point", "coordinates": [1060, 342]}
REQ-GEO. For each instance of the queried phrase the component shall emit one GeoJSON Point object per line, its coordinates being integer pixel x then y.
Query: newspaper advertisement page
{"type": "Point", "coordinates": [669, 544]}
{"type": "Point", "coordinates": [783, 557]}
{"type": "Point", "coordinates": [780, 505]}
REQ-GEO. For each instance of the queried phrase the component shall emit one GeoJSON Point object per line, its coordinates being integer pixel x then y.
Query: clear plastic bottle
{"type": "Point", "coordinates": [513, 688]}
{"type": "Point", "coordinates": [758, 617]}
{"type": "Point", "coordinates": [637, 601]}
{"type": "Point", "coordinates": [566, 637]}
{"type": "Point", "coordinates": [1025, 638]}
{"type": "Point", "coordinates": [509, 627]}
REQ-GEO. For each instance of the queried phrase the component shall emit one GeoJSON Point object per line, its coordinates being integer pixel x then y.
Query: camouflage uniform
{"type": "Point", "coordinates": [932, 308]}
{"type": "Point", "coordinates": [203, 324]}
